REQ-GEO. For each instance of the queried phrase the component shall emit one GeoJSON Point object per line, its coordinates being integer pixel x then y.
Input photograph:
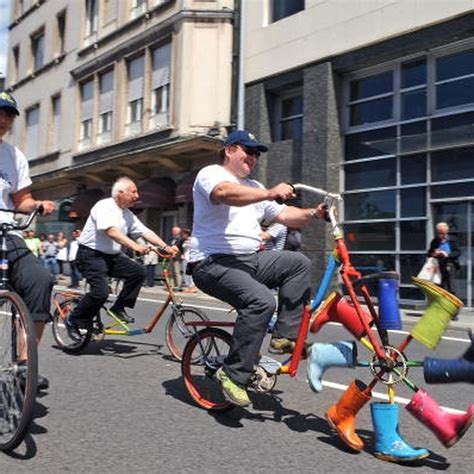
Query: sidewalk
{"type": "Point", "coordinates": [409, 316]}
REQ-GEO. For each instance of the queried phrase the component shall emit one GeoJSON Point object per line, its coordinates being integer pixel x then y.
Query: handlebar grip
{"type": "Point", "coordinates": [40, 209]}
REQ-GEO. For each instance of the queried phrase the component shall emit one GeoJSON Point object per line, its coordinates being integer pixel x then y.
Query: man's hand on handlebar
{"type": "Point", "coordinates": [282, 192]}
{"type": "Point", "coordinates": [46, 207]}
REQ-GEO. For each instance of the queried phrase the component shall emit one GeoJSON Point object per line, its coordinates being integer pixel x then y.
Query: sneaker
{"type": "Point", "coordinates": [233, 392]}
{"type": "Point", "coordinates": [281, 345]}
{"type": "Point", "coordinates": [42, 384]}
{"type": "Point", "coordinates": [122, 315]}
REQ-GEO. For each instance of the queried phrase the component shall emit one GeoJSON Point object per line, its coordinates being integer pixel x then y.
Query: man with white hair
{"type": "Point", "coordinates": [99, 256]}
{"type": "Point", "coordinates": [445, 249]}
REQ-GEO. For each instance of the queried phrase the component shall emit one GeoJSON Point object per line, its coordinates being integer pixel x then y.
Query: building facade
{"type": "Point", "coordinates": [107, 88]}
{"type": "Point", "coordinates": [373, 99]}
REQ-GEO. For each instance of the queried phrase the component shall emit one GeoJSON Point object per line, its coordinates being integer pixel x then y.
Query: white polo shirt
{"type": "Point", "coordinates": [105, 214]}
{"type": "Point", "coordinates": [14, 176]}
{"type": "Point", "coordinates": [224, 229]}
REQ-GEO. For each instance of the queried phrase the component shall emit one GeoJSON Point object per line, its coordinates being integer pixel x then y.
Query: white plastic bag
{"type": "Point", "coordinates": [431, 271]}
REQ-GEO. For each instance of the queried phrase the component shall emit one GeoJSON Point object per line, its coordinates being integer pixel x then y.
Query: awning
{"type": "Point", "coordinates": [184, 189]}
{"type": "Point", "coordinates": [156, 193]}
{"type": "Point", "coordinates": [83, 203]}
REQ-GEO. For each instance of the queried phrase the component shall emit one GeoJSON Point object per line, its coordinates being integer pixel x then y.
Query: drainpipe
{"type": "Point", "coordinates": [238, 90]}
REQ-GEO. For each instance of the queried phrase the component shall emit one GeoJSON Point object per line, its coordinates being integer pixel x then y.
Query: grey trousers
{"type": "Point", "coordinates": [244, 282]}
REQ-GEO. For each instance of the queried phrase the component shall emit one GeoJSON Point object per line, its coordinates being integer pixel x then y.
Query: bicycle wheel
{"type": "Point", "coordinates": [177, 333]}
{"type": "Point", "coordinates": [202, 357]}
{"type": "Point", "coordinates": [61, 334]}
{"type": "Point", "coordinates": [18, 378]}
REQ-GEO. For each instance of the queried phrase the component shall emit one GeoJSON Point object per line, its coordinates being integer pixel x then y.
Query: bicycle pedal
{"type": "Point", "coordinates": [270, 365]}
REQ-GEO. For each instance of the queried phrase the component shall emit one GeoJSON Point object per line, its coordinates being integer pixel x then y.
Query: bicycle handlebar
{"type": "Point", "coordinates": [21, 226]}
{"type": "Point", "coordinates": [321, 192]}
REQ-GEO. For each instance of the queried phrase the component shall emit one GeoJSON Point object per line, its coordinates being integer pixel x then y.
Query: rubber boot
{"type": "Point", "coordinates": [388, 444]}
{"type": "Point", "coordinates": [451, 370]}
{"type": "Point", "coordinates": [448, 427]}
{"type": "Point", "coordinates": [337, 309]}
{"type": "Point", "coordinates": [389, 310]}
{"type": "Point", "coordinates": [442, 307]}
{"type": "Point", "coordinates": [342, 415]}
{"type": "Point", "coordinates": [325, 355]}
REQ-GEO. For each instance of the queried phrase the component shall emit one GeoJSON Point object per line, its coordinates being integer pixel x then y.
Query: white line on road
{"type": "Point", "coordinates": [228, 310]}
{"type": "Point", "coordinates": [382, 396]}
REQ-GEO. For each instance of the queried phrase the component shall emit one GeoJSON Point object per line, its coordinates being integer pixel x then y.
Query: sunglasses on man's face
{"type": "Point", "coordinates": [251, 151]}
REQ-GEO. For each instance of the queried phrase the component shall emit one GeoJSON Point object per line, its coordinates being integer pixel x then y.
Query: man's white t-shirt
{"type": "Point", "coordinates": [224, 229]}
{"type": "Point", "coordinates": [105, 214]}
{"type": "Point", "coordinates": [14, 176]}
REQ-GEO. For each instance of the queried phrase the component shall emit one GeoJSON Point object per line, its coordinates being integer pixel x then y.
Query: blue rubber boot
{"type": "Point", "coordinates": [388, 444]}
{"type": "Point", "coordinates": [325, 355]}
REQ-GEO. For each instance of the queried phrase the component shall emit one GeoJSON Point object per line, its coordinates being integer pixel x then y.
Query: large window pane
{"type": "Point", "coordinates": [452, 164]}
{"type": "Point", "coordinates": [456, 65]}
{"type": "Point", "coordinates": [283, 8]}
{"type": "Point", "coordinates": [371, 111]}
{"type": "Point", "coordinates": [413, 104]}
{"type": "Point", "coordinates": [371, 86]}
{"type": "Point", "coordinates": [413, 169]}
{"type": "Point", "coordinates": [410, 265]}
{"type": "Point", "coordinates": [452, 130]}
{"type": "Point", "coordinates": [370, 144]}
{"type": "Point", "coordinates": [367, 264]}
{"type": "Point", "coordinates": [370, 237]}
{"type": "Point", "coordinates": [452, 94]}
{"type": "Point", "coordinates": [452, 190]}
{"type": "Point", "coordinates": [413, 235]}
{"type": "Point", "coordinates": [292, 129]}
{"type": "Point", "coordinates": [413, 202]}
{"type": "Point", "coordinates": [370, 205]}
{"type": "Point", "coordinates": [413, 137]}
{"type": "Point", "coordinates": [371, 174]}
{"type": "Point", "coordinates": [413, 73]}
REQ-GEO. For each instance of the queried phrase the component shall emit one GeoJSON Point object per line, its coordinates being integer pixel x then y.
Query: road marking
{"type": "Point", "coordinates": [382, 396]}
{"type": "Point", "coordinates": [228, 310]}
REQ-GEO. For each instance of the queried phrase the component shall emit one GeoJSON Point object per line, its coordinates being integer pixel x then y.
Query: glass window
{"type": "Point", "coordinates": [413, 169]}
{"type": "Point", "coordinates": [91, 17]}
{"type": "Point", "coordinates": [291, 119]}
{"type": "Point", "coordinates": [370, 237]}
{"type": "Point", "coordinates": [371, 86]}
{"type": "Point", "coordinates": [452, 130]}
{"type": "Point", "coordinates": [37, 49]}
{"type": "Point", "coordinates": [452, 190]}
{"type": "Point", "coordinates": [283, 8]}
{"type": "Point", "coordinates": [371, 174]}
{"type": "Point", "coordinates": [413, 73]}
{"type": "Point", "coordinates": [32, 132]}
{"type": "Point", "coordinates": [413, 137]}
{"type": "Point", "coordinates": [452, 164]}
{"type": "Point", "coordinates": [452, 94]}
{"type": "Point", "coordinates": [410, 293]}
{"type": "Point", "coordinates": [455, 65]}
{"type": "Point", "coordinates": [413, 104]}
{"type": "Point", "coordinates": [413, 236]}
{"type": "Point", "coordinates": [413, 202]}
{"type": "Point", "coordinates": [410, 265]}
{"type": "Point", "coordinates": [61, 25]}
{"type": "Point", "coordinates": [370, 144]}
{"type": "Point", "coordinates": [56, 119]}
{"type": "Point", "coordinates": [371, 111]}
{"type": "Point", "coordinates": [367, 264]}
{"type": "Point", "coordinates": [370, 205]}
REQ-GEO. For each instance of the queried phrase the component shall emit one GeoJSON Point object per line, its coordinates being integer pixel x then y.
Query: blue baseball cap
{"type": "Point", "coordinates": [8, 102]}
{"type": "Point", "coordinates": [242, 137]}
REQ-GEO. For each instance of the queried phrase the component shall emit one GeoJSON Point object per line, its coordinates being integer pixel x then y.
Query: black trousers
{"type": "Point", "coordinates": [244, 282]}
{"type": "Point", "coordinates": [29, 278]}
{"type": "Point", "coordinates": [97, 267]}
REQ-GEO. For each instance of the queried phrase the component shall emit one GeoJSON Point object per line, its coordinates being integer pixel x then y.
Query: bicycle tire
{"type": "Point", "coordinates": [177, 333]}
{"type": "Point", "coordinates": [60, 332]}
{"type": "Point", "coordinates": [202, 357]}
{"type": "Point", "coordinates": [18, 382]}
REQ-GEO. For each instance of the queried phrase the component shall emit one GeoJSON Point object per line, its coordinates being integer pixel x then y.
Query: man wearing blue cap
{"type": "Point", "coordinates": [29, 278]}
{"type": "Point", "coordinates": [225, 261]}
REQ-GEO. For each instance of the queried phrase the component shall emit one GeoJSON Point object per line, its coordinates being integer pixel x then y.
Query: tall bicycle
{"type": "Point", "coordinates": [105, 323]}
{"type": "Point", "coordinates": [388, 364]}
{"type": "Point", "coordinates": [18, 351]}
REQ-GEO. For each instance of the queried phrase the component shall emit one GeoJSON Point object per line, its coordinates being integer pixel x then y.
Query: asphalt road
{"type": "Point", "coordinates": [121, 407]}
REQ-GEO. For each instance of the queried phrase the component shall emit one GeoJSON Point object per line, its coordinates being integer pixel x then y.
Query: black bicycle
{"type": "Point", "coordinates": [18, 350]}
